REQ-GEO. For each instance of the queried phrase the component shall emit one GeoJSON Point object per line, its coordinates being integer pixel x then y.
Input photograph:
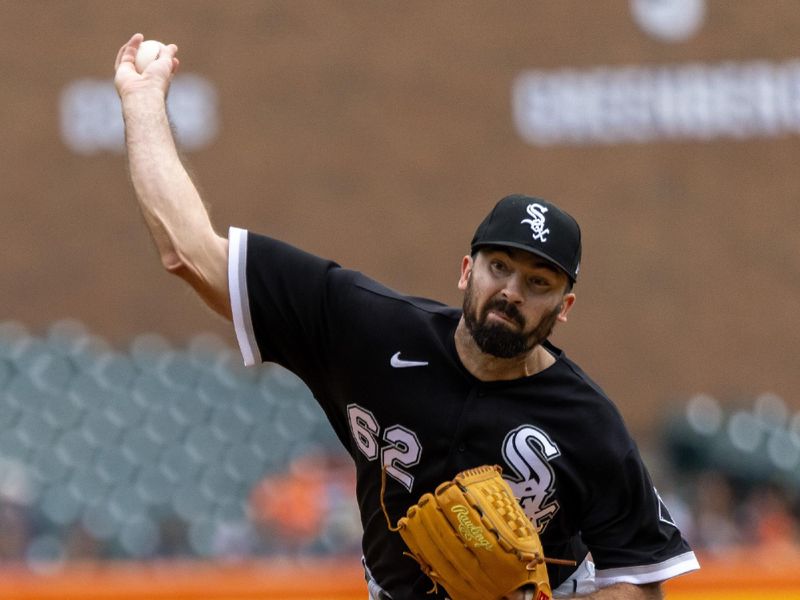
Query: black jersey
{"type": "Point", "coordinates": [384, 368]}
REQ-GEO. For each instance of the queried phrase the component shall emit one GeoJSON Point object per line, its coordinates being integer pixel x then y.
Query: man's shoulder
{"type": "Point", "coordinates": [586, 396]}
{"type": "Point", "coordinates": [569, 369]}
{"type": "Point", "coordinates": [377, 293]}
{"type": "Point", "coordinates": [275, 254]}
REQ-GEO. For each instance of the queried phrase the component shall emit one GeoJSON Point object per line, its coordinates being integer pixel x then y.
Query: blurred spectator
{"type": "Point", "coordinates": [312, 497]}
{"type": "Point", "coordinates": [80, 545]}
{"type": "Point", "coordinates": [769, 514]}
{"type": "Point", "coordinates": [16, 531]}
{"type": "Point", "coordinates": [716, 526]}
{"type": "Point", "coordinates": [173, 538]}
{"type": "Point", "coordinates": [16, 526]}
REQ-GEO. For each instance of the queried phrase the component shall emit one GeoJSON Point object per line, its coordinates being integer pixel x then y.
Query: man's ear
{"type": "Point", "coordinates": [466, 269]}
{"type": "Point", "coordinates": [566, 306]}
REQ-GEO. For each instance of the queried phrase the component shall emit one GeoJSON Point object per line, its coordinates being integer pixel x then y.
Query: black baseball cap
{"type": "Point", "coordinates": [535, 225]}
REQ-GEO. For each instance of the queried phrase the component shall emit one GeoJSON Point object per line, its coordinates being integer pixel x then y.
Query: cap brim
{"type": "Point", "coordinates": [526, 249]}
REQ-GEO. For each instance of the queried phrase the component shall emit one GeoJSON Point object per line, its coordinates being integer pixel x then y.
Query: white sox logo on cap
{"type": "Point", "coordinates": [536, 211]}
{"type": "Point", "coordinates": [553, 234]}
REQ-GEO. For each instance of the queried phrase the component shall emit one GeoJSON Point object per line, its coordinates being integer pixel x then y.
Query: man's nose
{"type": "Point", "coordinates": [513, 289]}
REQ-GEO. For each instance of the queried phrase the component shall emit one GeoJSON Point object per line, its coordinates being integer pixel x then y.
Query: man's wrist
{"type": "Point", "coordinates": [147, 99]}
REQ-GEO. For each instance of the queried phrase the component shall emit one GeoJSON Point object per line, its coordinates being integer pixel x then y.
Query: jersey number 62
{"type": "Point", "coordinates": [400, 451]}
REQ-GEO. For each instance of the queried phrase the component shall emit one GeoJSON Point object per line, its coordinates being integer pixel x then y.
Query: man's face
{"type": "Point", "coordinates": [512, 300]}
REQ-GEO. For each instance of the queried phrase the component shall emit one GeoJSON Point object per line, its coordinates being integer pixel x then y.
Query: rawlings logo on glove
{"type": "Point", "coordinates": [471, 532]}
{"type": "Point", "coordinates": [472, 537]}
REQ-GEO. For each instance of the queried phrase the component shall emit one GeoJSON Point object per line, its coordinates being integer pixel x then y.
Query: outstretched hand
{"type": "Point", "coordinates": [157, 75]}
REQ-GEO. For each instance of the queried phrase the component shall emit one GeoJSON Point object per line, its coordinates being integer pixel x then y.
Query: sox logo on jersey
{"type": "Point", "coordinates": [528, 450]}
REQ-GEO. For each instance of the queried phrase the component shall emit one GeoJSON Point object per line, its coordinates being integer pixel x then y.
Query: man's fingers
{"type": "Point", "coordinates": [127, 53]}
{"type": "Point", "coordinates": [169, 51]}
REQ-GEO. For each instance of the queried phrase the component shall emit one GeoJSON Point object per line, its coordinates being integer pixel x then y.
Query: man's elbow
{"type": "Point", "coordinates": [172, 263]}
{"type": "Point", "coordinates": [211, 285]}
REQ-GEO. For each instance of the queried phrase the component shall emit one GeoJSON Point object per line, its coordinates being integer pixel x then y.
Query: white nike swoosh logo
{"type": "Point", "coordinates": [399, 363]}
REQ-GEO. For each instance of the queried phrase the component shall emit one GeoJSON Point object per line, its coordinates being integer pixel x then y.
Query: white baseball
{"type": "Point", "coordinates": [147, 53]}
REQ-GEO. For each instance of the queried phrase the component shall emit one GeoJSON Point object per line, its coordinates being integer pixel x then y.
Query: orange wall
{"type": "Point", "coordinates": [187, 581]}
{"type": "Point", "coordinates": [776, 577]}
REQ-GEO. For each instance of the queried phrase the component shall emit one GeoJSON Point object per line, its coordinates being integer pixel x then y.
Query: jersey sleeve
{"type": "Point", "coordinates": [629, 530]}
{"type": "Point", "coordinates": [280, 301]}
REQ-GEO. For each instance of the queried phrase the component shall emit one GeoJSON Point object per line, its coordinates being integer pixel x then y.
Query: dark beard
{"type": "Point", "coordinates": [497, 339]}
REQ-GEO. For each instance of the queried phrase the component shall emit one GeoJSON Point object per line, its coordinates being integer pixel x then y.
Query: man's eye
{"type": "Point", "coordinates": [498, 266]}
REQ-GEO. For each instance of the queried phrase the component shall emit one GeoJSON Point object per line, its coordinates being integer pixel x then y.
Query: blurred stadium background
{"type": "Point", "coordinates": [138, 459]}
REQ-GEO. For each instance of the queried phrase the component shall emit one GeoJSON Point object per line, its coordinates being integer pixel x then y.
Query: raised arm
{"type": "Point", "coordinates": [172, 208]}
